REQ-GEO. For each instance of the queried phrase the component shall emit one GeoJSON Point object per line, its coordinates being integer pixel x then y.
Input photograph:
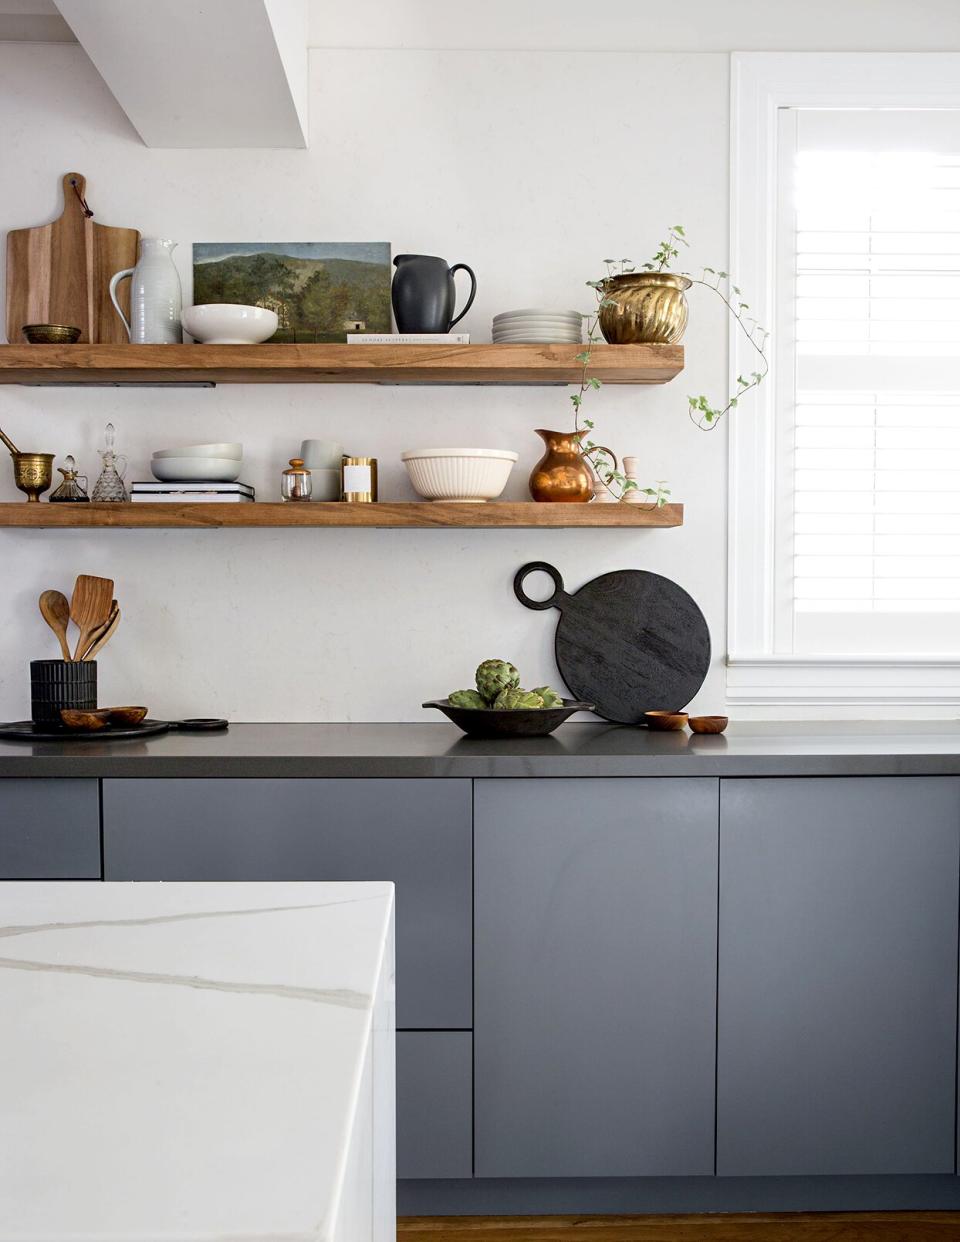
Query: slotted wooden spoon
{"type": "Point", "coordinates": [56, 612]}
{"type": "Point", "coordinates": [90, 608]}
{"type": "Point", "coordinates": [103, 635]}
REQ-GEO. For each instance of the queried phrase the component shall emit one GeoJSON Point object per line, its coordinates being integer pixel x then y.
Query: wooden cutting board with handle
{"type": "Point", "coordinates": [60, 272]}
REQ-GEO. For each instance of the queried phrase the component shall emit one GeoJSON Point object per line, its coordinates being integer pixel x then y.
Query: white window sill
{"type": "Point", "coordinates": [843, 681]}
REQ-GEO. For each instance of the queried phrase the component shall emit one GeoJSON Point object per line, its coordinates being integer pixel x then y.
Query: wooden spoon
{"type": "Point", "coordinates": [56, 612]}
{"type": "Point", "coordinates": [103, 635]}
{"type": "Point", "coordinates": [90, 608]}
{"type": "Point", "coordinates": [95, 633]}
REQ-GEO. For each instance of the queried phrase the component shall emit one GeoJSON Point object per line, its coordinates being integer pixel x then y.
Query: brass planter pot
{"type": "Point", "coordinates": [648, 308]}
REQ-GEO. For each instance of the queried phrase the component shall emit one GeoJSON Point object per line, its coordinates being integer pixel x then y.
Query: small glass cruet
{"type": "Point", "coordinates": [110, 486]}
{"type": "Point", "coordinates": [74, 485]}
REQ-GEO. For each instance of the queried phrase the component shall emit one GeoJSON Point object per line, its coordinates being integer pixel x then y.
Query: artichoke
{"type": "Point", "coordinates": [465, 698]}
{"type": "Point", "coordinates": [549, 696]}
{"type": "Point", "coordinates": [512, 699]}
{"type": "Point", "coordinates": [494, 676]}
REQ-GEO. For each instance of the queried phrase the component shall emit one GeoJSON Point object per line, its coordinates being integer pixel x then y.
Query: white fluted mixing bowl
{"type": "Point", "coordinates": [465, 475]}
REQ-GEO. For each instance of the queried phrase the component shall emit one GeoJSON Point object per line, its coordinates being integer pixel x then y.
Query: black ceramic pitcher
{"type": "Point", "coordinates": [424, 294]}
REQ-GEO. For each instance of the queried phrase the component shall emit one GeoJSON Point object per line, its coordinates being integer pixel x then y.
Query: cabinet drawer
{"type": "Point", "coordinates": [416, 833]}
{"type": "Point", "coordinates": [49, 830]}
{"type": "Point", "coordinates": [434, 1104]}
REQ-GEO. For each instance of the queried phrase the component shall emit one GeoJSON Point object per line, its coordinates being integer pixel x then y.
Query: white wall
{"type": "Point", "coordinates": [531, 167]}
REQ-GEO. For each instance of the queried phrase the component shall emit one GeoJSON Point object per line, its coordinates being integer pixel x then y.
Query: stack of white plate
{"type": "Point", "coordinates": [538, 326]}
{"type": "Point", "coordinates": [198, 463]}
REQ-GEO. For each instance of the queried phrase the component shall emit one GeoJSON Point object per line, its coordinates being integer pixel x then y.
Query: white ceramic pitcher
{"type": "Point", "coordinates": [155, 296]}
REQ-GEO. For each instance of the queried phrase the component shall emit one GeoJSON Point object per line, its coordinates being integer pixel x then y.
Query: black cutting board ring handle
{"type": "Point", "coordinates": [556, 600]}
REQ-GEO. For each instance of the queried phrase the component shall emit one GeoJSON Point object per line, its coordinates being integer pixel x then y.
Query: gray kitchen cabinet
{"type": "Point", "coordinates": [837, 1016]}
{"type": "Point", "coordinates": [416, 833]}
{"type": "Point", "coordinates": [49, 830]}
{"type": "Point", "coordinates": [595, 977]}
{"type": "Point", "coordinates": [434, 1104]}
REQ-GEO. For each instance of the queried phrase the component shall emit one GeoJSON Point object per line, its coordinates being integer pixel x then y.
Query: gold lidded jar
{"type": "Point", "coordinates": [644, 308]}
{"type": "Point", "coordinates": [296, 482]}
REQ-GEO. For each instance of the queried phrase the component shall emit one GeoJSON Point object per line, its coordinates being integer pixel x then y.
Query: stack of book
{"type": "Point", "coordinates": [179, 493]}
{"type": "Point", "coordinates": [408, 338]}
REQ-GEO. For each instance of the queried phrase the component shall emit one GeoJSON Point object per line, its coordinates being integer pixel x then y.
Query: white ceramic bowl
{"type": "Point", "coordinates": [221, 323]}
{"type": "Point", "coordinates": [465, 475]}
{"type": "Point", "coordinates": [233, 451]}
{"type": "Point", "coordinates": [196, 469]}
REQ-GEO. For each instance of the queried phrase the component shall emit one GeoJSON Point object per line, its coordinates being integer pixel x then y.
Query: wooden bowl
{"type": "Point", "coordinates": [50, 334]}
{"type": "Point", "coordinates": [708, 724]}
{"type": "Point", "coordinates": [86, 719]}
{"type": "Point", "coordinates": [126, 715]}
{"type": "Point", "coordinates": [665, 722]}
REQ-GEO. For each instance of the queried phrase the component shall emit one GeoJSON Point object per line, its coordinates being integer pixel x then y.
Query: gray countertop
{"type": "Point", "coordinates": [407, 750]}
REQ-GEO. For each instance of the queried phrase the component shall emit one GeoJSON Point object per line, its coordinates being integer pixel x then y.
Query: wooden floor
{"type": "Point", "coordinates": [814, 1227]}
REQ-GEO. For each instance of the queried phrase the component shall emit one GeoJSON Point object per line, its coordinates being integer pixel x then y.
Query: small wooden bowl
{"type": "Point", "coordinates": [665, 722]}
{"type": "Point", "coordinates": [88, 720]}
{"type": "Point", "coordinates": [126, 715]}
{"type": "Point", "coordinates": [50, 333]}
{"type": "Point", "coordinates": [707, 724]}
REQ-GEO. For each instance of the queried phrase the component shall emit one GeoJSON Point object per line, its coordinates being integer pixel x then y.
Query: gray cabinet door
{"type": "Point", "coordinates": [434, 1104]}
{"type": "Point", "coordinates": [49, 830]}
{"type": "Point", "coordinates": [416, 833]}
{"type": "Point", "coordinates": [838, 975]}
{"type": "Point", "coordinates": [594, 1038]}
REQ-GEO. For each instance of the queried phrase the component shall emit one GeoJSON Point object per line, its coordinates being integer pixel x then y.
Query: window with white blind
{"type": "Point", "coordinates": [848, 221]}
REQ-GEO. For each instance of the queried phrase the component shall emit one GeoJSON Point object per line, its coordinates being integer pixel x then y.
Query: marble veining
{"type": "Point", "coordinates": [196, 1062]}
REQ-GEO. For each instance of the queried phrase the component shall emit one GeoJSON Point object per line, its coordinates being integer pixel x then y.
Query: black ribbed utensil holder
{"type": "Point", "coordinates": [61, 683]}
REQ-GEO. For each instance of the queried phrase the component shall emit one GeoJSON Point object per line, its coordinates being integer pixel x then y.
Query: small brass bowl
{"type": "Point", "coordinates": [708, 724]}
{"type": "Point", "coordinates": [665, 722]}
{"type": "Point", "coordinates": [126, 715]}
{"type": "Point", "coordinates": [33, 473]}
{"type": "Point", "coordinates": [94, 718]}
{"type": "Point", "coordinates": [50, 334]}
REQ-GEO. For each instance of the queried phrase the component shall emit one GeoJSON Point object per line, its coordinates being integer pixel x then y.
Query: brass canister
{"type": "Point", "coordinates": [358, 479]}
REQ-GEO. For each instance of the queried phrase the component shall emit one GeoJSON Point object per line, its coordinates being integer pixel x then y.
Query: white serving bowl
{"type": "Point", "coordinates": [233, 451]}
{"type": "Point", "coordinates": [196, 469]}
{"type": "Point", "coordinates": [464, 475]}
{"type": "Point", "coordinates": [222, 323]}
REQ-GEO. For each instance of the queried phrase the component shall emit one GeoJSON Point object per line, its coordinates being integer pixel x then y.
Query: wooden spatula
{"type": "Point", "coordinates": [56, 612]}
{"type": "Point", "coordinates": [90, 608]}
{"type": "Point", "coordinates": [103, 634]}
{"type": "Point", "coordinates": [95, 634]}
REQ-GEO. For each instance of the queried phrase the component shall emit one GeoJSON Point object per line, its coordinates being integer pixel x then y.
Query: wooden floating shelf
{"type": "Point", "coordinates": [439, 515]}
{"type": "Point", "coordinates": [334, 364]}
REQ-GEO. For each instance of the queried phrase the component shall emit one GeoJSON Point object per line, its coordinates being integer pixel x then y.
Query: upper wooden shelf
{"type": "Point", "coordinates": [382, 514]}
{"type": "Point", "coordinates": [334, 364]}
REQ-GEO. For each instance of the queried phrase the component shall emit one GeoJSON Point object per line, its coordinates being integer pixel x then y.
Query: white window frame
{"type": "Point", "coordinates": [761, 83]}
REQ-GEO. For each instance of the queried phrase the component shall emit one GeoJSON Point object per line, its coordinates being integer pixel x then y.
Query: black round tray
{"type": "Point", "coordinates": [27, 731]}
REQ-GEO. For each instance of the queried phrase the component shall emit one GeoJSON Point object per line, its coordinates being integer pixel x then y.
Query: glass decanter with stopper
{"type": "Point", "coordinates": [74, 485]}
{"type": "Point", "coordinates": [110, 486]}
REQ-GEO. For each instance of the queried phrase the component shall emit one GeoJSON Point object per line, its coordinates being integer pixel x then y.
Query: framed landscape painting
{"type": "Point", "coordinates": [320, 290]}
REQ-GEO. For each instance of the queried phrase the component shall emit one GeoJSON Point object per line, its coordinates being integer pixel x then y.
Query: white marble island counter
{"type": "Point", "coordinates": [196, 1062]}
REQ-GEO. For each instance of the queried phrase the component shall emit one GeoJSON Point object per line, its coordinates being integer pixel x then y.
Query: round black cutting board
{"type": "Point", "coordinates": [629, 642]}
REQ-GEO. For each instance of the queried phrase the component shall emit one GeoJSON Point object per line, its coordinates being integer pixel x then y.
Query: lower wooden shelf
{"type": "Point", "coordinates": [437, 514]}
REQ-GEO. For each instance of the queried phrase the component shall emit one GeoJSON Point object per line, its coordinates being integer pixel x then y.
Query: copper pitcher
{"type": "Point", "coordinates": [563, 472]}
